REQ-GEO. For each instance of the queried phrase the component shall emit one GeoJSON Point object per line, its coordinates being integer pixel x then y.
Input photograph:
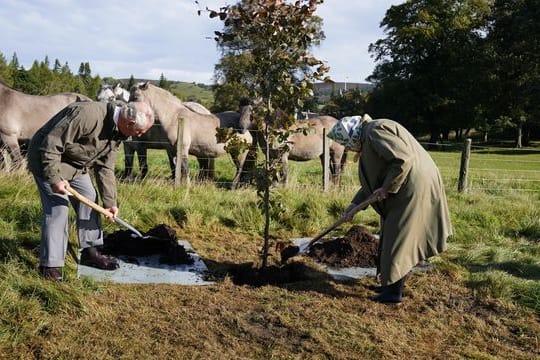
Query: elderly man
{"type": "Point", "coordinates": [83, 137]}
{"type": "Point", "coordinates": [415, 221]}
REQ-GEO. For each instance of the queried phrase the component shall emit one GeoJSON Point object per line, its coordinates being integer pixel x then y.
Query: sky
{"type": "Point", "coordinates": [147, 38]}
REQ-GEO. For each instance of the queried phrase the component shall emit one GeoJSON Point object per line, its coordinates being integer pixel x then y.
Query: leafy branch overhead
{"type": "Point", "coordinates": [270, 41]}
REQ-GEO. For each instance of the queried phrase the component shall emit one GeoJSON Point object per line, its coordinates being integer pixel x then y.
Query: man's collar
{"type": "Point", "coordinates": [116, 114]}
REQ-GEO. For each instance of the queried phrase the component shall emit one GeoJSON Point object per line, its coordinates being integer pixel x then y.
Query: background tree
{"type": "Point", "coordinates": [163, 83]}
{"type": "Point", "coordinates": [131, 82]}
{"type": "Point", "coordinates": [231, 82]}
{"type": "Point", "coordinates": [428, 65]}
{"type": "Point", "coordinates": [347, 103]}
{"type": "Point", "coordinates": [514, 34]}
{"type": "Point", "coordinates": [275, 39]}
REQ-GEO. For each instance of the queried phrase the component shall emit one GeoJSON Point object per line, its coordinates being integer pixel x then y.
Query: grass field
{"type": "Point", "coordinates": [481, 299]}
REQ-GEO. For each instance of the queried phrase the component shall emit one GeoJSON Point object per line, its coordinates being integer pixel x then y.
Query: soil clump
{"type": "Point", "coordinates": [162, 240]}
{"type": "Point", "coordinates": [247, 274]}
{"type": "Point", "coordinates": [357, 248]}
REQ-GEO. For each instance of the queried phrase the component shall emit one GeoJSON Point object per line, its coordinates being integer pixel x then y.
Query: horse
{"type": "Point", "coordinates": [150, 140]}
{"type": "Point", "coordinates": [109, 93]}
{"type": "Point", "coordinates": [199, 134]}
{"type": "Point", "coordinates": [304, 147]}
{"type": "Point", "coordinates": [141, 145]}
{"type": "Point", "coordinates": [21, 115]}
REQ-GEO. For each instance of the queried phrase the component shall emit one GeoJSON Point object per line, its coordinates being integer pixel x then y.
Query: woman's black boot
{"type": "Point", "coordinates": [392, 293]}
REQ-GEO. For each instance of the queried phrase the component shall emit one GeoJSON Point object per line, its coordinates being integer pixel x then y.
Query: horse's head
{"type": "Point", "coordinates": [246, 121]}
{"type": "Point", "coordinates": [136, 92]}
{"type": "Point", "coordinates": [120, 93]}
{"type": "Point", "coordinates": [105, 93]}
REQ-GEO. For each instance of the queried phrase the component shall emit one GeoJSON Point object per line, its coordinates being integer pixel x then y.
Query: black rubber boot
{"type": "Point", "coordinates": [392, 293]}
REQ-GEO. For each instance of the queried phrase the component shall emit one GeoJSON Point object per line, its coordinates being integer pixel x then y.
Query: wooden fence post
{"type": "Point", "coordinates": [326, 161]}
{"type": "Point", "coordinates": [179, 159]}
{"type": "Point", "coordinates": [464, 168]}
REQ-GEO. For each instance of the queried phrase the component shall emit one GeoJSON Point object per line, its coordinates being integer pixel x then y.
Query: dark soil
{"type": "Point", "coordinates": [247, 274]}
{"type": "Point", "coordinates": [358, 248]}
{"type": "Point", "coordinates": [163, 241]}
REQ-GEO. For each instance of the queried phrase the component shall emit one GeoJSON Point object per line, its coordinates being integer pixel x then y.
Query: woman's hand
{"type": "Point", "coordinates": [348, 214]}
{"type": "Point", "coordinates": [380, 193]}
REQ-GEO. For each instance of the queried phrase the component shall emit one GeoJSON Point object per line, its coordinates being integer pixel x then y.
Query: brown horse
{"type": "Point", "coordinates": [305, 147]}
{"type": "Point", "coordinates": [199, 135]}
{"type": "Point", "coordinates": [21, 115]}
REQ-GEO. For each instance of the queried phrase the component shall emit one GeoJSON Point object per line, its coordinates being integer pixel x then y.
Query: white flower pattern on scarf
{"type": "Point", "coordinates": [347, 132]}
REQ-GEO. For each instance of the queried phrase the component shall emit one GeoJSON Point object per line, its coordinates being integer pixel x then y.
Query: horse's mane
{"type": "Point", "coordinates": [160, 97]}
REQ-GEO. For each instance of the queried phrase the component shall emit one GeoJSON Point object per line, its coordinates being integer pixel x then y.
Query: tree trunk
{"type": "Point", "coordinates": [519, 144]}
{"type": "Point", "coordinates": [434, 139]}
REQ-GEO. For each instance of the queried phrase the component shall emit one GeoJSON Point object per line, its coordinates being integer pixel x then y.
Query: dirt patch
{"type": "Point", "coordinates": [358, 248]}
{"type": "Point", "coordinates": [247, 274]}
{"type": "Point", "coordinates": [162, 241]}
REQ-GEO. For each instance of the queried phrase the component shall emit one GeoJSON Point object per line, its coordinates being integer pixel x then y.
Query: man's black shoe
{"type": "Point", "coordinates": [91, 257]}
{"type": "Point", "coordinates": [51, 273]}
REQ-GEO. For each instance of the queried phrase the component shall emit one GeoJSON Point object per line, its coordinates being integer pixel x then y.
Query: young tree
{"type": "Point", "coordinates": [276, 38]}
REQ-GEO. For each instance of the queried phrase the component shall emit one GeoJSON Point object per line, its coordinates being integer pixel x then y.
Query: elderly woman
{"type": "Point", "coordinates": [415, 221]}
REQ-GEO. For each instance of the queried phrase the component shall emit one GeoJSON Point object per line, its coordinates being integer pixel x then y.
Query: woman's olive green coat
{"type": "Point", "coordinates": [415, 221]}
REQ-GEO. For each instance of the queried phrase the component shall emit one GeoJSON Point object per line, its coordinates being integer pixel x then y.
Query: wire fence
{"type": "Point", "coordinates": [495, 170]}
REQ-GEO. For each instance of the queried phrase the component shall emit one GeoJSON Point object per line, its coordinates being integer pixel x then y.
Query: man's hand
{"type": "Point", "coordinates": [114, 211]}
{"type": "Point", "coordinates": [60, 187]}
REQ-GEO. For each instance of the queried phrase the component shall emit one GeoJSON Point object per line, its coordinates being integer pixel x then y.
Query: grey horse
{"type": "Point", "coordinates": [141, 145]}
{"type": "Point", "coordinates": [112, 93]}
{"type": "Point", "coordinates": [304, 147]}
{"type": "Point", "coordinates": [199, 135]}
{"type": "Point", "coordinates": [21, 115]}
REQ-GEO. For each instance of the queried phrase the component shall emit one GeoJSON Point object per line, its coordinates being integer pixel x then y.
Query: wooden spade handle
{"type": "Point", "coordinates": [88, 202]}
{"type": "Point", "coordinates": [370, 200]}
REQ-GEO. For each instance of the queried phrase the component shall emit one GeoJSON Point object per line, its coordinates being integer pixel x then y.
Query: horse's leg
{"type": "Point", "coordinates": [142, 152]}
{"type": "Point", "coordinates": [129, 151]}
{"type": "Point", "coordinates": [343, 161]}
{"type": "Point", "coordinates": [171, 154]}
{"type": "Point", "coordinates": [284, 168]}
{"type": "Point", "coordinates": [239, 162]}
{"type": "Point", "coordinates": [14, 151]}
{"type": "Point", "coordinates": [335, 165]}
{"type": "Point", "coordinates": [211, 172]}
{"type": "Point", "coordinates": [247, 171]}
{"type": "Point", "coordinates": [204, 168]}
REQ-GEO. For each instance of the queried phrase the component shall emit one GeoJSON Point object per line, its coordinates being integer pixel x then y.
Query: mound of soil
{"type": "Point", "coordinates": [246, 274]}
{"type": "Point", "coordinates": [358, 248]}
{"type": "Point", "coordinates": [163, 241]}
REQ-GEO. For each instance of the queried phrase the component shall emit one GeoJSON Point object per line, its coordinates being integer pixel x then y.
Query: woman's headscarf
{"type": "Point", "coordinates": [348, 130]}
